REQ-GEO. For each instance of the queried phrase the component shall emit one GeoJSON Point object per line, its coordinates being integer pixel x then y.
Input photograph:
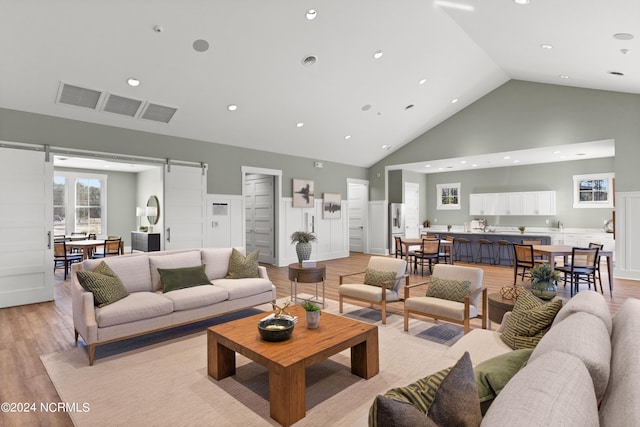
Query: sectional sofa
{"type": "Point", "coordinates": [147, 308]}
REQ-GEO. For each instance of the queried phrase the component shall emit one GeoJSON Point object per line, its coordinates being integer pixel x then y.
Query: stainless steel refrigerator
{"type": "Point", "coordinates": [396, 224]}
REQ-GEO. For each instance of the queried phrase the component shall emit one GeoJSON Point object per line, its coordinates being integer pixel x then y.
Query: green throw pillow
{"type": "Point", "coordinates": [241, 267]}
{"type": "Point", "coordinates": [493, 374]}
{"type": "Point", "coordinates": [179, 278]}
{"type": "Point", "coordinates": [105, 285]}
{"type": "Point", "coordinates": [529, 321]}
{"type": "Point", "coordinates": [375, 277]}
{"type": "Point", "coordinates": [448, 397]}
{"type": "Point", "coordinates": [452, 290]}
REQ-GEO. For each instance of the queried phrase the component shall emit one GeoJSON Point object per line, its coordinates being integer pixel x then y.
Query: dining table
{"type": "Point", "coordinates": [88, 246]}
{"type": "Point", "coordinates": [553, 251]}
{"type": "Point", "coordinates": [407, 242]}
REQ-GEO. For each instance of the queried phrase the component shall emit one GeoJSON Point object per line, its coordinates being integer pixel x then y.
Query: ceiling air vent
{"type": "Point", "coordinates": [158, 113]}
{"type": "Point", "coordinates": [78, 96]}
{"type": "Point", "coordinates": [121, 105]}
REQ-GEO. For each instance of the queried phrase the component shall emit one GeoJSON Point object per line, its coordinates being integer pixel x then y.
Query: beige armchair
{"type": "Point", "coordinates": [449, 301]}
{"type": "Point", "coordinates": [375, 288]}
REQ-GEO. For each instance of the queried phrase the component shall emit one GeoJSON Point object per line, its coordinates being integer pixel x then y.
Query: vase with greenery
{"type": "Point", "coordinates": [521, 228]}
{"type": "Point", "coordinates": [303, 240]}
{"type": "Point", "coordinates": [312, 314]}
{"type": "Point", "coordinates": [544, 281]}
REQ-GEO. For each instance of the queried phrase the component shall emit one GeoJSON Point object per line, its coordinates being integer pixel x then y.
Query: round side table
{"type": "Point", "coordinates": [300, 274]}
{"type": "Point", "coordinates": [498, 306]}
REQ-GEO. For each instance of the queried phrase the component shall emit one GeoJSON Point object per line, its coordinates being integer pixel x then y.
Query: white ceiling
{"type": "Point", "coordinates": [255, 55]}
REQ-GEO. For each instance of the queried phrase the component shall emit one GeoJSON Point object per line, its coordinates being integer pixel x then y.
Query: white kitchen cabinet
{"type": "Point", "coordinates": [509, 203]}
{"type": "Point", "coordinates": [539, 203]}
{"type": "Point", "coordinates": [482, 204]}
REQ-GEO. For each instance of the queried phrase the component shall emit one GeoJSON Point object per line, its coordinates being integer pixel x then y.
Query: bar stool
{"type": "Point", "coordinates": [462, 243]}
{"type": "Point", "coordinates": [504, 245]}
{"type": "Point", "coordinates": [488, 245]}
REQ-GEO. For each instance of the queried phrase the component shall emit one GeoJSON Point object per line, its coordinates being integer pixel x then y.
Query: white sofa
{"type": "Point", "coordinates": [585, 371]}
{"type": "Point", "coordinates": [147, 309]}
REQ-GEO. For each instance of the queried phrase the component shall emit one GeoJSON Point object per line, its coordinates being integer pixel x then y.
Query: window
{"type": "Point", "coordinates": [79, 203]}
{"type": "Point", "coordinates": [593, 190]}
{"type": "Point", "coordinates": [448, 196]}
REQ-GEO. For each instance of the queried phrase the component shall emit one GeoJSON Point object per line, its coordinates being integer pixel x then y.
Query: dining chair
{"type": "Point", "coordinates": [454, 294]}
{"type": "Point", "coordinates": [111, 247]}
{"type": "Point", "coordinates": [383, 281]}
{"type": "Point", "coordinates": [429, 252]}
{"type": "Point", "coordinates": [600, 247]}
{"type": "Point", "coordinates": [581, 268]}
{"type": "Point", "coordinates": [488, 245]}
{"type": "Point", "coordinates": [62, 257]}
{"type": "Point", "coordinates": [524, 259]}
{"type": "Point", "coordinates": [533, 242]}
{"type": "Point", "coordinates": [446, 251]}
{"type": "Point", "coordinates": [504, 251]}
{"type": "Point", "coordinates": [400, 250]}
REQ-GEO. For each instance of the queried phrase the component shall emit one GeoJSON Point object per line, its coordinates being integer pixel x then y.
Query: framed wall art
{"type": "Point", "coordinates": [448, 196]}
{"type": "Point", "coordinates": [331, 206]}
{"type": "Point", "coordinates": [302, 193]}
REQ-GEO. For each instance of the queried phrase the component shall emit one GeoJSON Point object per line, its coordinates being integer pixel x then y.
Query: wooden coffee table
{"type": "Point", "coordinates": [287, 360]}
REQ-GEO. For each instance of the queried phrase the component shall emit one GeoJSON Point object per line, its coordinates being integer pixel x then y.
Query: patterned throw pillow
{"type": "Point", "coordinates": [105, 285]}
{"type": "Point", "coordinates": [241, 267]}
{"type": "Point", "coordinates": [448, 397]}
{"type": "Point", "coordinates": [529, 321]}
{"type": "Point", "coordinates": [452, 290]}
{"type": "Point", "coordinates": [179, 278]}
{"type": "Point", "coordinates": [375, 277]}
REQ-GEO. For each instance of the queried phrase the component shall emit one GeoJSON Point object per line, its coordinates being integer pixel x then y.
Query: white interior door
{"type": "Point", "coordinates": [185, 190]}
{"type": "Point", "coordinates": [412, 209]}
{"type": "Point", "coordinates": [358, 200]}
{"type": "Point", "coordinates": [259, 202]}
{"type": "Point", "coordinates": [26, 227]}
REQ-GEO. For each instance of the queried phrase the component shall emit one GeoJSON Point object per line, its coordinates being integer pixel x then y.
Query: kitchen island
{"type": "Point", "coordinates": [493, 237]}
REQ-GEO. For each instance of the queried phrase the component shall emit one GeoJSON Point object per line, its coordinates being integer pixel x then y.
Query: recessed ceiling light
{"type": "Point", "coordinates": [557, 152]}
{"type": "Point", "coordinates": [422, 81]}
{"type": "Point", "coordinates": [616, 73]}
{"type": "Point", "coordinates": [201, 45]}
{"type": "Point", "coordinates": [463, 161]}
{"type": "Point", "coordinates": [347, 137]}
{"type": "Point", "coordinates": [516, 161]}
{"type": "Point", "coordinates": [387, 147]}
{"type": "Point", "coordinates": [546, 46]}
{"type": "Point", "coordinates": [623, 36]}
{"type": "Point", "coordinates": [474, 165]}
{"type": "Point", "coordinates": [521, 1]}
{"type": "Point", "coordinates": [232, 107]}
{"type": "Point", "coordinates": [506, 157]}
{"type": "Point", "coordinates": [625, 51]}
{"type": "Point", "coordinates": [310, 60]}
{"type": "Point", "coordinates": [453, 5]}
{"type": "Point", "coordinates": [563, 76]}
{"type": "Point", "coordinates": [427, 166]}
{"type": "Point", "coordinates": [377, 54]}
{"type": "Point", "coordinates": [453, 101]}
{"type": "Point", "coordinates": [408, 107]}
{"type": "Point", "coordinates": [366, 107]}
{"type": "Point", "coordinates": [158, 28]}
{"type": "Point", "coordinates": [311, 14]}
{"type": "Point", "coordinates": [299, 124]}
{"type": "Point", "coordinates": [132, 81]}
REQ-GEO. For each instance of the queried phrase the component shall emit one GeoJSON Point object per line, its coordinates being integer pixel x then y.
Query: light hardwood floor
{"type": "Point", "coordinates": [26, 332]}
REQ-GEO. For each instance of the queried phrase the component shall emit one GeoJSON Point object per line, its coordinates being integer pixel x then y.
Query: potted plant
{"type": "Point", "coordinates": [521, 228]}
{"type": "Point", "coordinates": [312, 314]}
{"type": "Point", "coordinates": [303, 240]}
{"type": "Point", "coordinates": [543, 281]}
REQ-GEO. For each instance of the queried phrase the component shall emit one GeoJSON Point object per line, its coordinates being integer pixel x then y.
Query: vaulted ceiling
{"type": "Point", "coordinates": [303, 75]}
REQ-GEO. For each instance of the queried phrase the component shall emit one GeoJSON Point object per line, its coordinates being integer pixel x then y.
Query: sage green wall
{"type": "Point", "coordinates": [121, 201]}
{"type": "Point", "coordinates": [395, 187]}
{"type": "Point", "coordinates": [224, 161]}
{"type": "Point", "coordinates": [520, 115]}
{"type": "Point", "coordinates": [551, 176]}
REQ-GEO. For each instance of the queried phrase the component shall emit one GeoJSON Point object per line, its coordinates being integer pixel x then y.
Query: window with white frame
{"type": "Point", "coordinates": [593, 190]}
{"type": "Point", "coordinates": [448, 196]}
{"type": "Point", "coordinates": [79, 203]}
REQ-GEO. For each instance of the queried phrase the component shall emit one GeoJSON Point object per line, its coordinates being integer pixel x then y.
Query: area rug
{"type": "Point", "coordinates": [164, 382]}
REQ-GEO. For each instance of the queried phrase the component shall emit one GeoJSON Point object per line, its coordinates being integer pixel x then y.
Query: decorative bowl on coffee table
{"type": "Point", "coordinates": [275, 329]}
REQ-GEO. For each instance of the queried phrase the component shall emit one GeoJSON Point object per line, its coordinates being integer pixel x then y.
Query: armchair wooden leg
{"type": "Point", "coordinates": [384, 313]}
{"type": "Point", "coordinates": [406, 320]}
{"type": "Point", "coordinates": [340, 304]}
{"type": "Point", "coordinates": [92, 353]}
{"type": "Point", "coordinates": [76, 334]}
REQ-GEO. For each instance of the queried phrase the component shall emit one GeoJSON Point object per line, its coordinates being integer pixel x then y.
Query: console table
{"type": "Point", "coordinates": [145, 242]}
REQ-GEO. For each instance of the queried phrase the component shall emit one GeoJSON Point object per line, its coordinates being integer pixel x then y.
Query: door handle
{"type": "Point", "coordinates": [168, 234]}
{"type": "Point", "coordinates": [49, 239]}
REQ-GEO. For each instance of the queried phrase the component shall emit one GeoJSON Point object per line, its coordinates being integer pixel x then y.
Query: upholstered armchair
{"type": "Point", "coordinates": [454, 294]}
{"type": "Point", "coordinates": [382, 283]}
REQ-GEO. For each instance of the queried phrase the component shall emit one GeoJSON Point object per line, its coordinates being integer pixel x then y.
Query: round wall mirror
{"type": "Point", "coordinates": [153, 210]}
